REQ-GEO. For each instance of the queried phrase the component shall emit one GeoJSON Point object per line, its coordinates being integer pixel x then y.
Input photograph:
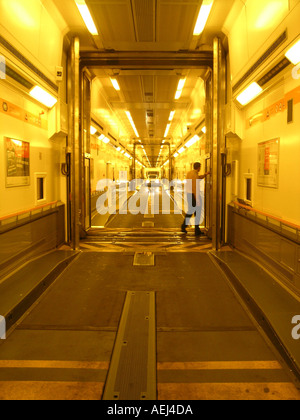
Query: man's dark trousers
{"type": "Point", "coordinates": [193, 209]}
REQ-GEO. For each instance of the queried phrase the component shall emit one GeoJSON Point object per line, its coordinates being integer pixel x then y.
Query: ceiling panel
{"type": "Point", "coordinates": [165, 88]}
{"type": "Point", "coordinates": [113, 19]}
{"type": "Point", "coordinates": [176, 20]}
{"type": "Point", "coordinates": [144, 17]}
{"type": "Point", "coordinates": [131, 89]}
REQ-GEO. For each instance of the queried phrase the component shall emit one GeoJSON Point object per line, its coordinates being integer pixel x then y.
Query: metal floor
{"type": "Point", "coordinates": [207, 346]}
{"type": "Point", "coordinates": [143, 311]}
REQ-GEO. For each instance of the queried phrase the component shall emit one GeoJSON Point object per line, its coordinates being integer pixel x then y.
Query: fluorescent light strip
{"type": "Point", "coordinates": [203, 16]}
{"type": "Point", "coordinates": [181, 84]}
{"type": "Point", "coordinates": [132, 123]}
{"type": "Point", "coordinates": [293, 54]}
{"type": "Point", "coordinates": [86, 16]}
{"type": "Point", "coordinates": [167, 130]}
{"type": "Point", "coordinates": [192, 141]}
{"type": "Point", "coordinates": [180, 88]}
{"type": "Point", "coordinates": [172, 113]}
{"type": "Point", "coordinates": [104, 139]}
{"type": "Point", "coordinates": [93, 130]}
{"type": "Point", "coordinates": [115, 84]}
{"type": "Point", "coordinates": [43, 97]}
{"type": "Point", "coordinates": [178, 94]}
{"type": "Point", "coordinates": [249, 94]}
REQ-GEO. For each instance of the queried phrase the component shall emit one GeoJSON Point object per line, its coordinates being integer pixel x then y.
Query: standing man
{"type": "Point", "coordinates": [193, 198]}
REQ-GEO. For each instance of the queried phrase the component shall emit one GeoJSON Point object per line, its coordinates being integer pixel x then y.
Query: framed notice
{"type": "Point", "coordinates": [268, 163]}
{"type": "Point", "coordinates": [17, 156]}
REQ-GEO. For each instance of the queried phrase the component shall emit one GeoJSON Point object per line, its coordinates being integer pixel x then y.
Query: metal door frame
{"type": "Point", "coordinates": [73, 145]}
{"type": "Point", "coordinates": [207, 199]}
{"type": "Point", "coordinates": [213, 61]}
{"type": "Point", "coordinates": [218, 141]}
{"type": "Point", "coordinates": [87, 182]}
{"type": "Point", "coordinates": [85, 147]}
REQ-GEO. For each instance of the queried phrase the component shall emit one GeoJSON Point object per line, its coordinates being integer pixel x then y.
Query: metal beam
{"type": "Point", "coordinates": [147, 59]}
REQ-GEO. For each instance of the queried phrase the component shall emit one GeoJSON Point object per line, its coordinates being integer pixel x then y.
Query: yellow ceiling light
{"type": "Point", "coordinates": [167, 130]}
{"type": "Point", "coordinates": [180, 88]}
{"type": "Point", "coordinates": [249, 94]}
{"type": "Point", "coordinates": [181, 84]}
{"type": "Point", "coordinates": [178, 94]}
{"type": "Point", "coordinates": [204, 130]}
{"type": "Point", "coordinates": [93, 130]}
{"type": "Point", "coordinates": [43, 97]}
{"type": "Point", "coordinates": [115, 84]}
{"type": "Point", "coordinates": [203, 16]}
{"type": "Point", "coordinates": [132, 123]}
{"type": "Point", "coordinates": [86, 16]}
{"type": "Point", "coordinates": [293, 54]}
{"type": "Point", "coordinates": [192, 141]}
{"type": "Point", "coordinates": [104, 139]}
{"type": "Point", "coordinates": [181, 150]}
{"type": "Point", "coordinates": [172, 113]}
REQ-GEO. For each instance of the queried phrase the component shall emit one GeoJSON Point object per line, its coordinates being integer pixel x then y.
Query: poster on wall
{"type": "Point", "coordinates": [17, 162]}
{"type": "Point", "coordinates": [268, 163]}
